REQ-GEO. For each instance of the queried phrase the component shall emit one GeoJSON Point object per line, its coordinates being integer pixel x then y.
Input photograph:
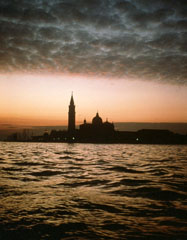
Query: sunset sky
{"type": "Point", "coordinates": [126, 59]}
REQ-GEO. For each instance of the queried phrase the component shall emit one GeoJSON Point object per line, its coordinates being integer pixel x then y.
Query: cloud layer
{"type": "Point", "coordinates": [142, 39]}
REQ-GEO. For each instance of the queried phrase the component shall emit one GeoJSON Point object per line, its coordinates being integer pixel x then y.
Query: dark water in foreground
{"type": "Point", "coordinates": [92, 191]}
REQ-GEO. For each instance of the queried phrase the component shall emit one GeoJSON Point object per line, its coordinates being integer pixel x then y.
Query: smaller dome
{"type": "Point", "coordinates": [108, 125]}
{"type": "Point", "coordinates": [97, 120]}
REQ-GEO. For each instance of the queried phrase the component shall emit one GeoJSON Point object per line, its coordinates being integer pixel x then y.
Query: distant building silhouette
{"type": "Point", "coordinates": [97, 129]}
{"type": "Point", "coordinates": [71, 116]}
{"type": "Point", "coordinates": [103, 132]}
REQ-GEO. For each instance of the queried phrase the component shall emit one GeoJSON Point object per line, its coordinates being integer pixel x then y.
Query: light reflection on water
{"type": "Point", "coordinates": [92, 191]}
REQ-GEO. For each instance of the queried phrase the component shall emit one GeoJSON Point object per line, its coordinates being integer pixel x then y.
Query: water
{"type": "Point", "coordinates": [92, 191]}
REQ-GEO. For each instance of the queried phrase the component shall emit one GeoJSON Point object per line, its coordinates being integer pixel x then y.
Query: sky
{"type": "Point", "coordinates": [126, 59]}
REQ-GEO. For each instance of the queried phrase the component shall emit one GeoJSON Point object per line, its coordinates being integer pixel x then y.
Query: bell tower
{"type": "Point", "coordinates": [71, 116]}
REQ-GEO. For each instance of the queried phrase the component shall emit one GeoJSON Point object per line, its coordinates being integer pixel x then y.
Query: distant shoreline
{"type": "Point", "coordinates": [128, 143]}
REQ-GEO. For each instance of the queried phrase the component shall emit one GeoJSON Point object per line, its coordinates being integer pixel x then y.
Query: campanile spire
{"type": "Point", "coordinates": [71, 115]}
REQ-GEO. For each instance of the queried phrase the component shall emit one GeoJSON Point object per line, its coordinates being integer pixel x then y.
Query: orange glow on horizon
{"type": "Point", "coordinates": [43, 99]}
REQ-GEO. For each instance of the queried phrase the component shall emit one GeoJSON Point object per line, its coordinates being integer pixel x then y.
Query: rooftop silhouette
{"type": "Point", "coordinates": [99, 131]}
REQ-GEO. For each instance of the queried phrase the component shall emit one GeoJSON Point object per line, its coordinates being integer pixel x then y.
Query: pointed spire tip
{"type": "Point", "coordinates": [72, 100]}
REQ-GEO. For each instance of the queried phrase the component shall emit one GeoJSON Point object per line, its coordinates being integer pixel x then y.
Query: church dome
{"type": "Point", "coordinates": [97, 120]}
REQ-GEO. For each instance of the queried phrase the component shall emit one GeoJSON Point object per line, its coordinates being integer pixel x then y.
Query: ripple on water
{"type": "Point", "coordinates": [124, 169]}
{"type": "Point", "coordinates": [92, 191]}
{"type": "Point", "coordinates": [65, 157]}
{"type": "Point", "coordinates": [27, 163]}
{"type": "Point", "coordinates": [134, 182]}
{"type": "Point", "coordinates": [46, 173]}
{"type": "Point", "coordinates": [69, 152]}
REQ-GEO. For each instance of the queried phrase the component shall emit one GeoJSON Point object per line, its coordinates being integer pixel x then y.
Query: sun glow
{"type": "Point", "coordinates": [42, 99]}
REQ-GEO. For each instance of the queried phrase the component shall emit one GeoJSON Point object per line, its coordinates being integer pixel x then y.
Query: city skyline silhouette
{"type": "Point", "coordinates": [99, 131]}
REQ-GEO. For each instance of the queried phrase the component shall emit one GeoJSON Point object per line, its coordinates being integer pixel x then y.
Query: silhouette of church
{"type": "Point", "coordinates": [95, 130]}
{"type": "Point", "coordinates": [104, 132]}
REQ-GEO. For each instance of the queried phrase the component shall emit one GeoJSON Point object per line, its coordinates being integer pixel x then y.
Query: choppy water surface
{"type": "Point", "coordinates": [92, 191]}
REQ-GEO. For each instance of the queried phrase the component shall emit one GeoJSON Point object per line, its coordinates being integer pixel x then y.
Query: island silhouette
{"type": "Point", "coordinates": [99, 131]}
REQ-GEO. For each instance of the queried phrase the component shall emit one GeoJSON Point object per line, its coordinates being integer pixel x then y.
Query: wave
{"type": "Point", "coordinates": [92, 191]}
{"type": "Point", "coordinates": [65, 157]}
{"type": "Point", "coordinates": [46, 173]}
{"type": "Point", "coordinates": [124, 169]}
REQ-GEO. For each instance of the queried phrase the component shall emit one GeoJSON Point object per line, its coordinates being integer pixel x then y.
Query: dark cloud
{"type": "Point", "coordinates": [135, 38]}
